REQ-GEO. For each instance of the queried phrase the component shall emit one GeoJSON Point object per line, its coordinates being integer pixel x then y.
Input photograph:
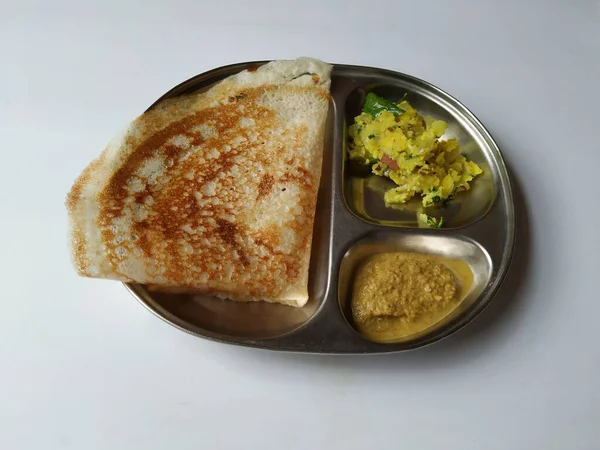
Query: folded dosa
{"type": "Point", "coordinates": [212, 193]}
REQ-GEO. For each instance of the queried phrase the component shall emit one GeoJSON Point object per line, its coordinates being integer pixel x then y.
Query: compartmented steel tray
{"type": "Point", "coordinates": [352, 222]}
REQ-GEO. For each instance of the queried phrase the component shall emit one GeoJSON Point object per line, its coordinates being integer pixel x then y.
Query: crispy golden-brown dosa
{"type": "Point", "coordinates": [212, 193]}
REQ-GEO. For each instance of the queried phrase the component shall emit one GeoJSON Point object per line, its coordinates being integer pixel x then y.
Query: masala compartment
{"type": "Point", "coordinates": [395, 287]}
{"type": "Point", "coordinates": [411, 159]}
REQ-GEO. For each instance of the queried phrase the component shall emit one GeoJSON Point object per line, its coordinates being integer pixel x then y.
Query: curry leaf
{"type": "Point", "coordinates": [375, 104]}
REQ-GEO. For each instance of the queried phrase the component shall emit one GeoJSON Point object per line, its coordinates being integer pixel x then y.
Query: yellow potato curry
{"type": "Point", "coordinates": [408, 148]}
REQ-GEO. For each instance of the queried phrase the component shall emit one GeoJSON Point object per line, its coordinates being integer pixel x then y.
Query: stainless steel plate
{"type": "Point", "coordinates": [352, 222]}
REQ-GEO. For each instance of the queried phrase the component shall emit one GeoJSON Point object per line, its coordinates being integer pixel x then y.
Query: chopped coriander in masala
{"type": "Point", "coordinates": [429, 221]}
{"type": "Point", "coordinates": [406, 147]}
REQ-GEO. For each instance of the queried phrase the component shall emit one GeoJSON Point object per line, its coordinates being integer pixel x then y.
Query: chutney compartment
{"type": "Point", "coordinates": [427, 244]}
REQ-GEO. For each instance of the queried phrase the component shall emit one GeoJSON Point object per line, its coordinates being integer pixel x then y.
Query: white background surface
{"type": "Point", "coordinates": [84, 366]}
